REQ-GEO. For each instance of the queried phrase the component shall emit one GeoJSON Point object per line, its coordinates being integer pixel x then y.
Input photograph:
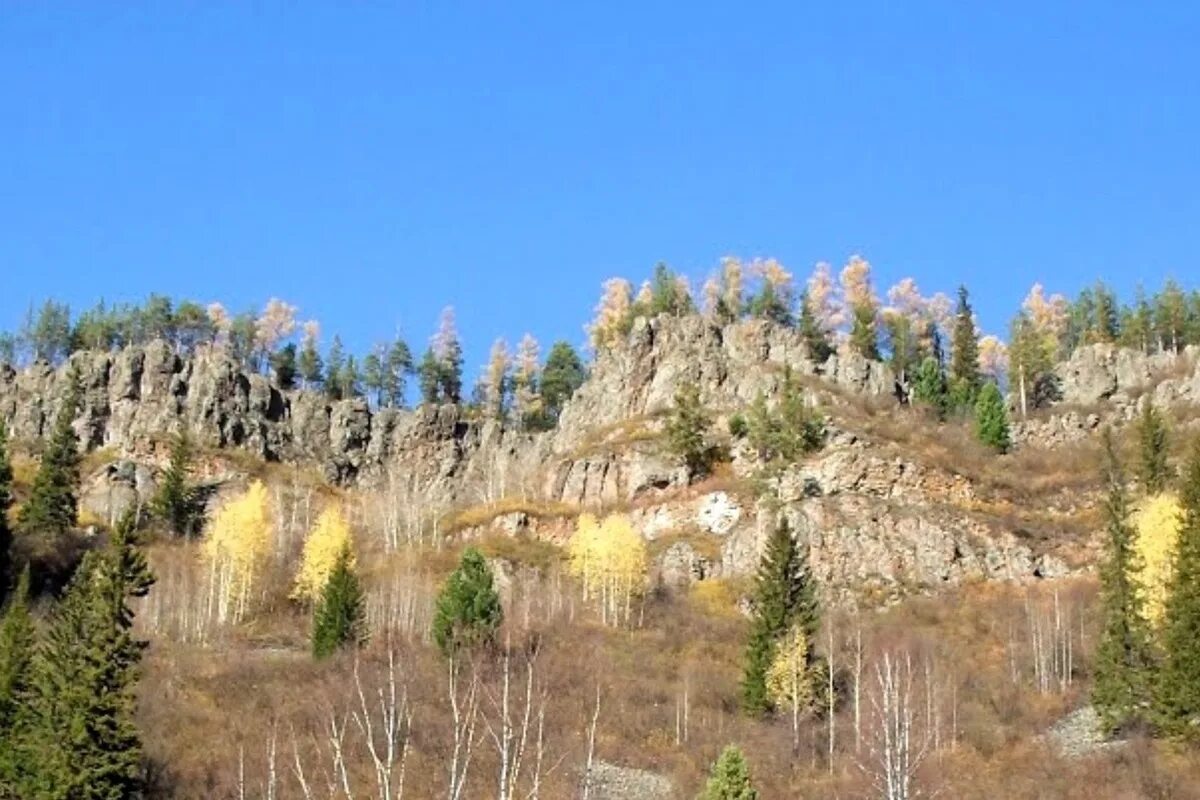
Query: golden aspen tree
{"type": "Point", "coordinates": [238, 542]}
{"type": "Point", "coordinates": [789, 683]}
{"type": "Point", "coordinates": [322, 548]}
{"type": "Point", "coordinates": [276, 323]}
{"type": "Point", "coordinates": [221, 321]}
{"type": "Point", "coordinates": [1157, 521]}
{"type": "Point", "coordinates": [993, 358]}
{"type": "Point", "coordinates": [609, 557]}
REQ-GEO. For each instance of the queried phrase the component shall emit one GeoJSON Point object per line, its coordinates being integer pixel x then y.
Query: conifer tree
{"type": "Point", "coordinates": [340, 618]}
{"type": "Point", "coordinates": [991, 419]}
{"type": "Point", "coordinates": [687, 431]}
{"type": "Point", "coordinates": [1178, 688]}
{"type": "Point", "coordinates": [17, 643]}
{"type": "Point", "coordinates": [965, 381]}
{"type": "Point", "coordinates": [864, 334]}
{"type": "Point", "coordinates": [430, 374]}
{"type": "Point", "coordinates": [52, 508]}
{"type": "Point", "coordinates": [784, 596]}
{"type": "Point", "coordinates": [561, 377]}
{"type": "Point", "coordinates": [730, 778]}
{"type": "Point", "coordinates": [335, 366]}
{"type": "Point", "coordinates": [398, 366]}
{"type": "Point", "coordinates": [309, 363]}
{"type": "Point", "coordinates": [468, 607]}
{"type": "Point", "coordinates": [83, 741]}
{"type": "Point", "coordinates": [1124, 661]}
{"type": "Point", "coordinates": [1152, 437]}
{"type": "Point", "coordinates": [283, 364]}
{"type": "Point", "coordinates": [6, 538]}
{"type": "Point", "coordinates": [175, 501]}
{"type": "Point", "coordinates": [929, 386]}
{"type": "Point", "coordinates": [816, 340]}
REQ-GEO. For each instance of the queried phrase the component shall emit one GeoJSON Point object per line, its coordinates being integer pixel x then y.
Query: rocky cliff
{"type": "Point", "coordinates": [875, 519]}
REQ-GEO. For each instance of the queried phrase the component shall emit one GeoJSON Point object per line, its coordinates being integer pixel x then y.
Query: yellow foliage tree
{"type": "Point", "coordinates": [609, 558]}
{"type": "Point", "coordinates": [1157, 522]}
{"type": "Point", "coordinates": [238, 542]}
{"type": "Point", "coordinates": [789, 683]}
{"type": "Point", "coordinates": [325, 542]}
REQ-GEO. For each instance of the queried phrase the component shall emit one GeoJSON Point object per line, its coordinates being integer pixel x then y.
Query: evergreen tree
{"type": "Point", "coordinates": [687, 431]}
{"type": "Point", "coordinates": [429, 374]}
{"type": "Point", "coordinates": [175, 502]}
{"type": "Point", "coordinates": [991, 419]}
{"type": "Point", "coordinates": [864, 334]}
{"type": "Point", "coordinates": [784, 595]}
{"type": "Point", "coordinates": [965, 381]}
{"type": "Point", "coordinates": [1178, 688]}
{"type": "Point", "coordinates": [562, 376]}
{"type": "Point", "coordinates": [349, 380]}
{"type": "Point", "coordinates": [792, 429]}
{"type": "Point", "coordinates": [1121, 691]}
{"type": "Point", "coordinates": [52, 508]}
{"type": "Point", "coordinates": [816, 340]}
{"type": "Point", "coordinates": [929, 386]}
{"type": "Point", "coordinates": [335, 367]}
{"type": "Point", "coordinates": [450, 374]}
{"type": "Point", "coordinates": [83, 742]}
{"type": "Point", "coordinates": [398, 366]}
{"type": "Point", "coordinates": [468, 608]}
{"type": "Point", "coordinates": [667, 295]}
{"type": "Point", "coordinates": [1152, 436]}
{"type": "Point", "coordinates": [17, 642]}
{"type": "Point", "coordinates": [283, 364]}
{"type": "Point", "coordinates": [340, 617]}
{"type": "Point", "coordinates": [6, 538]}
{"type": "Point", "coordinates": [309, 363]}
{"type": "Point", "coordinates": [730, 778]}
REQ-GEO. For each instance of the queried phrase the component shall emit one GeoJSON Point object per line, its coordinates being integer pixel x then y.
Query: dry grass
{"type": "Point", "coordinates": [478, 516]}
{"type": "Point", "coordinates": [618, 436]}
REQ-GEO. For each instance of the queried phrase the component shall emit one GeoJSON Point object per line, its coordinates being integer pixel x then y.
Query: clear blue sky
{"type": "Point", "coordinates": [373, 162]}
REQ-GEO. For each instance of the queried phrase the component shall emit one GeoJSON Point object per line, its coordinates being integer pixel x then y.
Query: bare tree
{"type": "Point", "coordinates": [895, 749]}
{"type": "Point", "coordinates": [387, 740]}
{"type": "Point", "coordinates": [464, 714]}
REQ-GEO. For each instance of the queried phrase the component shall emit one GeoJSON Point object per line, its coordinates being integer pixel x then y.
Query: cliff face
{"type": "Point", "coordinates": [874, 520]}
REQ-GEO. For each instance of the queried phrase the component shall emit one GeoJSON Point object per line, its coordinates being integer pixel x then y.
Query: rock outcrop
{"type": "Point", "coordinates": [873, 521]}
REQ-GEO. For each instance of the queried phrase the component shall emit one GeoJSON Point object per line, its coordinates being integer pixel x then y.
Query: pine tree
{"type": "Point", "coordinates": [687, 431]}
{"type": "Point", "coordinates": [398, 366]}
{"type": "Point", "coordinates": [309, 363]}
{"type": "Point", "coordinates": [6, 538]}
{"type": "Point", "coordinates": [784, 596]}
{"type": "Point", "coordinates": [175, 501]}
{"type": "Point", "coordinates": [349, 380]}
{"type": "Point", "coordinates": [429, 374]}
{"type": "Point", "coordinates": [335, 366]}
{"type": "Point", "coordinates": [929, 386]}
{"type": "Point", "coordinates": [864, 335]}
{"type": "Point", "coordinates": [83, 741]}
{"type": "Point", "coordinates": [1124, 659]}
{"type": "Point", "coordinates": [965, 381]}
{"type": "Point", "coordinates": [451, 372]}
{"type": "Point", "coordinates": [1152, 436]}
{"type": "Point", "coordinates": [17, 643]}
{"type": "Point", "coordinates": [340, 618]}
{"type": "Point", "coordinates": [283, 364]}
{"type": "Point", "coordinates": [562, 376]}
{"type": "Point", "coordinates": [730, 778]}
{"type": "Point", "coordinates": [991, 419]}
{"type": "Point", "coordinates": [1178, 688]}
{"type": "Point", "coordinates": [52, 508]}
{"type": "Point", "coordinates": [468, 608]}
{"type": "Point", "coordinates": [816, 340]}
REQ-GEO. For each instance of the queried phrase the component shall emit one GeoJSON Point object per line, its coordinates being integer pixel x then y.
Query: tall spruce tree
{"type": "Point", "coordinates": [17, 642]}
{"type": "Point", "coordinates": [1124, 658]}
{"type": "Point", "coordinates": [816, 340]}
{"type": "Point", "coordinates": [1177, 696]}
{"type": "Point", "coordinates": [965, 380]}
{"type": "Point", "coordinates": [784, 595]}
{"type": "Point", "coordinates": [687, 431]}
{"type": "Point", "coordinates": [83, 743]}
{"type": "Point", "coordinates": [175, 502]}
{"type": "Point", "coordinates": [991, 419]}
{"type": "Point", "coordinates": [340, 618]}
{"type": "Point", "coordinates": [468, 608]}
{"type": "Point", "coordinates": [52, 508]}
{"type": "Point", "coordinates": [730, 778]}
{"type": "Point", "coordinates": [1152, 438]}
{"type": "Point", "coordinates": [6, 538]}
{"type": "Point", "coordinates": [930, 388]}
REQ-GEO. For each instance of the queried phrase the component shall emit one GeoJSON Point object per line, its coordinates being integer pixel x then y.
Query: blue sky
{"type": "Point", "coordinates": [373, 162]}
